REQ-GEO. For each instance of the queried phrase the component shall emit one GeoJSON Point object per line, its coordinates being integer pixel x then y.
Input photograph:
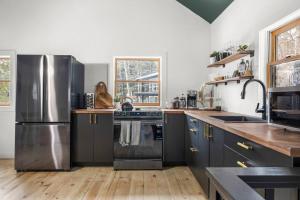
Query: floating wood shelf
{"type": "Point", "coordinates": [235, 79]}
{"type": "Point", "coordinates": [232, 58]}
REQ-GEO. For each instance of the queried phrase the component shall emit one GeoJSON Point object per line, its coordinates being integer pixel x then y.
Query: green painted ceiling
{"type": "Point", "coordinates": [207, 9]}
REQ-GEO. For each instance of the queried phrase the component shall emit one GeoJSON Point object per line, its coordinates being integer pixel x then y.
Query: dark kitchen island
{"type": "Point", "coordinates": [240, 183]}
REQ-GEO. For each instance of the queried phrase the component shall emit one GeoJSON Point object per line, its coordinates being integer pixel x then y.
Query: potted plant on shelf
{"type": "Point", "coordinates": [213, 57]}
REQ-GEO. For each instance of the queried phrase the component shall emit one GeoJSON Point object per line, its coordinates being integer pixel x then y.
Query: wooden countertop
{"type": "Point", "coordinates": [92, 111]}
{"type": "Point", "coordinates": [174, 111]}
{"type": "Point", "coordinates": [284, 141]}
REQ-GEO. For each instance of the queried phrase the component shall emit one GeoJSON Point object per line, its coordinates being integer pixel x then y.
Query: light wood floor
{"type": "Point", "coordinates": [98, 183]}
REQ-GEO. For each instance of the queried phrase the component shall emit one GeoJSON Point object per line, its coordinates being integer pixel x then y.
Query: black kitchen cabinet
{"type": "Point", "coordinates": [197, 150]}
{"type": "Point", "coordinates": [92, 138]}
{"type": "Point", "coordinates": [191, 149]}
{"type": "Point", "coordinates": [174, 146]}
{"type": "Point", "coordinates": [82, 138]}
{"type": "Point", "coordinates": [216, 147]}
{"type": "Point", "coordinates": [203, 155]}
{"type": "Point", "coordinates": [103, 139]}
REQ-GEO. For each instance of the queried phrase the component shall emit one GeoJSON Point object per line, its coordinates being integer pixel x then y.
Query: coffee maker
{"type": "Point", "coordinates": [191, 99]}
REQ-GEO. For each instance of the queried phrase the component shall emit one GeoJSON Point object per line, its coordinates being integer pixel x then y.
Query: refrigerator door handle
{"type": "Point", "coordinates": [42, 86]}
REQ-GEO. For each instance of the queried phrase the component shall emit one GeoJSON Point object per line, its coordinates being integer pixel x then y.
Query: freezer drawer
{"type": "Point", "coordinates": [42, 147]}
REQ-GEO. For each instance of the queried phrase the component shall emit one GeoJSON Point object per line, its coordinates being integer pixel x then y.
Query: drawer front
{"type": "Point", "coordinates": [192, 123]}
{"type": "Point", "coordinates": [233, 159]}
{"type": "Point", "coordinates": [261, 155]}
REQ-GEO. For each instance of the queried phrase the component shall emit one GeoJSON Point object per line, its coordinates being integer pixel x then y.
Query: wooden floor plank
{"type": "Point", "coordinates": [90, 183]}
{"type": "Point", "coordinates": [136, 191]}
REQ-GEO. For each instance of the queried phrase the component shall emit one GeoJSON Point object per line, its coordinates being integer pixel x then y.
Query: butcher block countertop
{"type": "Point", "coordinates": [92, 111]}
{"type": "Point", "coordinates": [284, 141]}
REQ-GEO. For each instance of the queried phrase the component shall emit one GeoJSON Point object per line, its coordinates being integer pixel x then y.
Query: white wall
{"type": "Point", "coordinates": [96, 30]}
{"type": "Point", "coordinates": [93, 73]}
{"type": "Point", "coordinates": [241, 22]}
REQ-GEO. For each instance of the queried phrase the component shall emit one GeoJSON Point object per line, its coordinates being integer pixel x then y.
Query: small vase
{"type": "Point", "coordinates": [212, 60]}
{"type": "Point", "coordinates": [117, 105]}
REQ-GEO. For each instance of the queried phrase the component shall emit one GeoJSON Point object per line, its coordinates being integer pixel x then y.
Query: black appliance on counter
{"type": "Point", "coordinates": [148, 153]}
{"type": "Point", "coordinates": [191, 99]}
{"type": "Point", "coordinates": [285, 106]}
{"type": "Point", "coordinates": [48, 87]}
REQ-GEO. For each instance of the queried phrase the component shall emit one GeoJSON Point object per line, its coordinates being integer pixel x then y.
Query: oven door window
{"type": "Point", "coordinates": [149, 147]}
{"type": "Point", "coordinates": [285, 108]}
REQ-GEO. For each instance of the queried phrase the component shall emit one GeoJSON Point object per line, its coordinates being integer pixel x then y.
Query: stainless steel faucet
{"type": "Point", "coordinates": [263, 109]}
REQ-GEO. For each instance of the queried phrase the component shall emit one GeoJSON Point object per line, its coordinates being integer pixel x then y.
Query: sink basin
{"type": "Point", "coordinates": [239, 119]}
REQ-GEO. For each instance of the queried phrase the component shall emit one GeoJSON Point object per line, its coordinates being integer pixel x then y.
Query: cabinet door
{"type": "Point", "coordinates": [202, 160]}
{"type": "Point", "coordinates": [216, 147]}
{"type": "Point", "coordinates": [103, 138]}
{"type": "Point", "coordinates": [174, 138]}
{"type": "Point", "coordinates": [82, 138]}
{"type": "Point", "coordinates": [188, 144]}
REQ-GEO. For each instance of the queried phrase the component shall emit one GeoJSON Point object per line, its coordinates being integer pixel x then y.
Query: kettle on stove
{"type": "Point", "coordinates": [126, 106]}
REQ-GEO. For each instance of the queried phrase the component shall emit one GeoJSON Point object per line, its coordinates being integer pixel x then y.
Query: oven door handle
{"type": "Point", "coordinates": [155, 123]}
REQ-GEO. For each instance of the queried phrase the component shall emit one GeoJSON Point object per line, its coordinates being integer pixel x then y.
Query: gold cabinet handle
{"type": "Point", "coordinates": [241, 164]}
{"type": "Point", "coordinates": [193, 130]}
{"type": "Point", "coordinates": [90, 118]}
{"type": "Point", "coordinates": [207, 132]}
{"type": "Point", "coordinates": [243, 145]}
{"type": "Point", "coordinates": [193, 120]}
{"type": "Point", "coordinates": [193, 149]}
{"type": "Point", "coordinates": [95, 119]}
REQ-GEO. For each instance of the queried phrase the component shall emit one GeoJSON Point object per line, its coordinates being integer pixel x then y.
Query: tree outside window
{"type": "Point", "coordinates": [138, 79]}
{"type": "Point", "coordinates": [5, 82]}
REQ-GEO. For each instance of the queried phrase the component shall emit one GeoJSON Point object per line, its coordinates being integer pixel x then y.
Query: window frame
{"type": "Point", "coordinates": [272, 55]}
{"type": "Point", "coordinates": [11, 105]}
{"type": "Point", "coordinates": [159, 81]}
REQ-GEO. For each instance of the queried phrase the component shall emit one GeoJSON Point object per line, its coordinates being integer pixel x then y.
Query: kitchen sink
{"type": "Point", "coordinates": [239, 119]}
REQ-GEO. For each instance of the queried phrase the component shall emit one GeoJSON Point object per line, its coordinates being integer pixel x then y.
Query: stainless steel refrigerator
{"type": "Point", "coordinates": [48, 87]}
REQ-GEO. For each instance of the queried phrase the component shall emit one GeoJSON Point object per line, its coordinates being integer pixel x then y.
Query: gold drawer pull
{"type": "Point", "coordinates": [193, 120]}
{"type": "Point", "coordinates": [95, 119]}
{"type": "Point", "coordinates": [90, 118]}
{"type": "Point", "coordinates": [241, 164]}
{"type": "Point", "coordinates": [243, 145]}
{"type": "Point", "coordinates": [193, 130]}
{"type": "Point", "coordinates": [193, 149]}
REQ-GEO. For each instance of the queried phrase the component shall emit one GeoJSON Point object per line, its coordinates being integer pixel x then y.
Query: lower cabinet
{"type": "Point", "coordinates": [92, 139]}
{"type": "Point", "coordinates": [240, 152]}
{"type": "Point", "coordinates": [174, 130]}
{"type": "Point", "coordinates": [216, 147]}
{"type": "Point", "coordinates": [197, 150]}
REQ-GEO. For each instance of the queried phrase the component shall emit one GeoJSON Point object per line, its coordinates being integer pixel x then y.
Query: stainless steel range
{"type": "Point", "coordinates": [138, 139]}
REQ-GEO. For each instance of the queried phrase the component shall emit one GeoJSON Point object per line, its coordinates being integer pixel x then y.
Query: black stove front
{"type": "Point", "coordinates": [138, 140]}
